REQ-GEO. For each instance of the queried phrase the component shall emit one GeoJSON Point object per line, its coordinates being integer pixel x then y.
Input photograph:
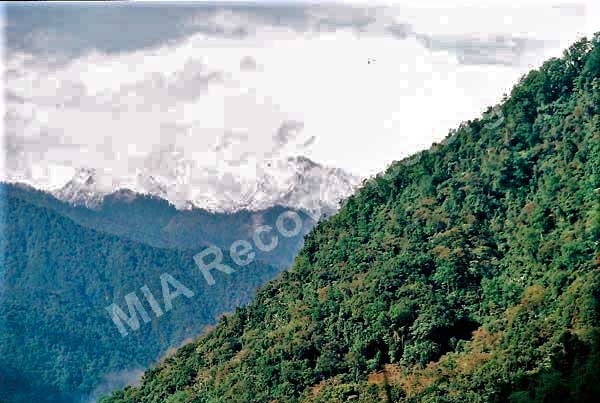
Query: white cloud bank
{"type": "Point", "coordinates": [354, 88]}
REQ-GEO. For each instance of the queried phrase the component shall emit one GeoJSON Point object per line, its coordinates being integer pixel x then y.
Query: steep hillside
{"type": "Point", "coordinates": [57, 339]}
{"type": "Point", "coordinates": [467, 273]}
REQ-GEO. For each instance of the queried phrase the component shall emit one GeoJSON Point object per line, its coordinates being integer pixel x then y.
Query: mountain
{"type": "Point", "coordinates": [58, 342]}
{"type": "Point", "coordinates": [467, 273]}
{"type": "Point", "coordinates": [156, 222]}
{"type": "Point", "coordinates": [69, 252]}
{"type": "Point", "coordinates": [294, 182]}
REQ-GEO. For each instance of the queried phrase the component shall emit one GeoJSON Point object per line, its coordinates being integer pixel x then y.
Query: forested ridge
{"type": "Point", "coordinates": [57, 340]}
{"type": "Point", "coordinates": [466, 273]}
{"type": "Point", "coordinates": [156, 222]}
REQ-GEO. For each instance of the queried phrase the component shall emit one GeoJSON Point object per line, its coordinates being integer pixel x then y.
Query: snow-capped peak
{"type": "Point", "coordinates": [294, 182]}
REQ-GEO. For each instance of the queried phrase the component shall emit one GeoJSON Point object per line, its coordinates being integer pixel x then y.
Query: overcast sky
{"type": "Point", "coordinates": [348, 86]}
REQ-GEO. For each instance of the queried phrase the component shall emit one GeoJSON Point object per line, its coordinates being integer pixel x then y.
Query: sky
{"type": "Point", "coordinates": [348, 85]}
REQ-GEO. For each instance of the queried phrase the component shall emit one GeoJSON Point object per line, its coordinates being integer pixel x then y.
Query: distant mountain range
{"type": "Point", "coordinates": [296, 182]}
{"type": "Point", "coordinates": [156, 222]}
{"type": "Point", "coordinates": [69, 253]}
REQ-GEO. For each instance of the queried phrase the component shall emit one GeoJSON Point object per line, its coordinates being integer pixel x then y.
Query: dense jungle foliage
{"type": "Point", "coordinates": [466, 273]}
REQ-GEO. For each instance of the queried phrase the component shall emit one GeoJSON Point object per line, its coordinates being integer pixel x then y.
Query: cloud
{"type": "Point", "coordinates": [469, 48]}
{"type": "Point", "coordinates": [243, 21]}
{"type": "Point", "coordinates": [287, 132]}
{"type": "Point", "coordinates": [159, 91]}
{"type": "Point", "coordinates": [481, 50]}
{"type": "Point", "coordinates": [149, 26]}
{"type": "Point", "coordinates": [224, 23]}
{"type": "Point", "coordinates": [309, 142]}
{"type": "Point", "coordinates": [248, 63]}
{"type": "Point", "coordinates": [238, 86]}
{"type": "Point", "coordinates": [572, 9]}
